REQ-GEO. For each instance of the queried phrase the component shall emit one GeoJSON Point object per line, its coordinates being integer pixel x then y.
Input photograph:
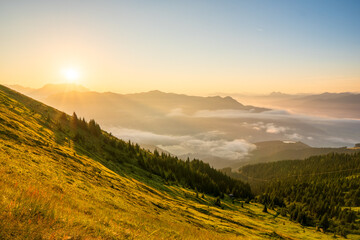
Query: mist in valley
{"type": "Point", "coordinates": [218, 130]}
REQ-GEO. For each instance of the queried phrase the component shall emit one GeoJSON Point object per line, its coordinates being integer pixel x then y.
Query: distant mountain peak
{"type": "Point", "coordinates": [65, 86]}
{"type": "Point", "coordinates": [155, 91]}
{"type": "Point", "coordinates": [49, 89]}
{"type": "Point", "coordinates": [277, 94]}
{"type": "Point", "coordinates": [277, 143]}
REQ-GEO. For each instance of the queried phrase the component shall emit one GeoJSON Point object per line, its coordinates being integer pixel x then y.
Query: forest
{"type": "Point", "coordinates": [321, 191]}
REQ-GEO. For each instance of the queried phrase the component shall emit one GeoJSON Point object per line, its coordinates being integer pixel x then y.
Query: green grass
{"type": "Point", "coordinates": [52, 188]}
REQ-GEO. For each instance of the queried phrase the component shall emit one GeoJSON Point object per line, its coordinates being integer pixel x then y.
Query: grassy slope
{"type": "Point", "coordinates": [49, 189]}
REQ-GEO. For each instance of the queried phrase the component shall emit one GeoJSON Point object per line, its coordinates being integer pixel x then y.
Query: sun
{"type": "Point", "coordinates": [72, 75]}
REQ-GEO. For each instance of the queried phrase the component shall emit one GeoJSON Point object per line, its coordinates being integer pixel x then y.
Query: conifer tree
{"type": "Point", "coordinates": [265, 209]}
{"type": "Point", "coordinates": [324, 223]}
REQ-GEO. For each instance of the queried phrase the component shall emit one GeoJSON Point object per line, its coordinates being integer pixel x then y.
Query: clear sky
{"type": "Point", "coordinates": [194, 47]}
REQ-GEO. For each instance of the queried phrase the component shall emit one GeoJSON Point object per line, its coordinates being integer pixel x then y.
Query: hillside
{"type": "Point", "coordinates": [319, 191]}
{"type": "Point", "coordinates": [64, 178]}
{"type": "Point", "coordinates": [272, 151]}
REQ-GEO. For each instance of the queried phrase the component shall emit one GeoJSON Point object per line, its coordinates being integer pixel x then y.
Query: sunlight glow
{"type": "Point", "coordinates": [71, 75]}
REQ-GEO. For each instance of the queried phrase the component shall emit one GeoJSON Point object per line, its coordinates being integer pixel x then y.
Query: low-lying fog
{"type": "Point", "coordinates": [229, 134]}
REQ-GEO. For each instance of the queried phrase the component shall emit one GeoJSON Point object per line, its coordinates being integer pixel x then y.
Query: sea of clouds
{"type": "Point", "coordinates": [273, 124]}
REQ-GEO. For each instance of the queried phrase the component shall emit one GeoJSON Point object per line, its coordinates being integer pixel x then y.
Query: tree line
{"type": "Point", "coordinates": [194, 174]}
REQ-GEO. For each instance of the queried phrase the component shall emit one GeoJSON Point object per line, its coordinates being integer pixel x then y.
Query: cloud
{"type": "Point", "coordinates": [229, 140]}
{"type": "Point", "coordinates": [176, 112]}
{"type": "Point", "coordinates": [224, 113]}
{"type": "Point", "coordinates": [231, 150]}
{"type": "Point", "coordinates": [270, 114]}
{"type": "Point", "coordinates": [314, 130]}
{"type": "Point", "coordinates": [211, 135]}
{"type": "Point", "coordinates": [232, 113]}
{"type": "Point", "coordinates": [146, 137]}
{"type": "Point", "coordinates": [276, 112]}
{"type": "Point", "coordinates": [296, 136]}
{"type": "Point", "coordinates": [267, 127]}
{"type": "Point", "coordinates": [202, 144]}
{"type": "Point", "coordinates": [272, 128]}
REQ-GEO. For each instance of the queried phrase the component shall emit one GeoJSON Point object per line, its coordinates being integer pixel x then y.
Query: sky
{"type": "Point", "coordinates": [193, 47]}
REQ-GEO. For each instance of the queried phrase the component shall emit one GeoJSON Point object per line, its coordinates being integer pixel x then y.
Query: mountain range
{"type": "Point", "coordinates": [338, 105]}
{"type": "Point", "coordinates": [219, 130]}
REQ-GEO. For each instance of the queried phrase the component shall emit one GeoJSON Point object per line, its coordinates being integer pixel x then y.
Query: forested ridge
{"type": "Point", "coordinates": [321, 191]}
{"type": "Point", "coordinates": [194, 174]}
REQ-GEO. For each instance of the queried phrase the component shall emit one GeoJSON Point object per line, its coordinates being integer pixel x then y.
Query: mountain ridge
{"type": "Point", "coordinates": [273, 151]}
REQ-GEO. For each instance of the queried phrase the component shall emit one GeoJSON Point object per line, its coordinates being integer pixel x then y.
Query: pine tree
{"type": "Point", "coordinates": [218, 202]}
{"type": "Point", "coordinates": [324, 223]}
{"type": "Point", "coordinates": [74, 120]}
{"type": "Point", "coordinates": [265, 209]}
{"type": "Point", "coordinates": [94, 128]}
{"type": "Point", "coordinates": [63, 117]}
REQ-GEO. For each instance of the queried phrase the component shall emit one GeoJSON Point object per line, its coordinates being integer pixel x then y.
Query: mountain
{"type": "Point", "coordinates": [19, 88]}
{"type": "Point", "coordinates": [160, 100]}
{"type": "Point", "coordinates": [188, 104]}
{"type": "Point", "coordinates": [108, 105]}
{"type": "Point", "coordinates": [272, 151]}
{"type": "Point", "coordinates": [338, 105]}
{"type": "Point", "coordinates": [153, 102]}
{"type": "Point", "coordinates": [64, 178]}
{"type": "Point", "coordinates": [49, 89]}
{"type": "Point", "coordinates": [332, 104]}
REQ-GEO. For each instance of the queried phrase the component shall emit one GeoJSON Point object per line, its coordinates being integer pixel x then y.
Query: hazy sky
{"type": "Point", "coordinates": [194, 47]}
